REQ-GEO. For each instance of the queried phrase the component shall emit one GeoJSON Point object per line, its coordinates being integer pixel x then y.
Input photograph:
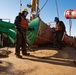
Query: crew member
{"type": "Point", "coordinates": [59, 29]}
{"type": "Point", "coordinates": [21, 24]}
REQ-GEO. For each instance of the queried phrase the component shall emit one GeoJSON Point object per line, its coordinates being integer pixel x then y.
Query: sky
{"type": "Point", "coordinates": [9, 9]}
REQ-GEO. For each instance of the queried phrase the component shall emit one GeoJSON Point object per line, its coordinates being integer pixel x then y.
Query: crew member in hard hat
{"type": "Point", "coordinates": [21, 24]}
{"type": "Point", "coordinates": [59, 29]}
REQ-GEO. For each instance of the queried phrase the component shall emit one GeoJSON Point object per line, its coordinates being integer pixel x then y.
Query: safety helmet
{"type": "Point", "coordinates": [24, 10]}
{"type": "Point", "coordinates": [56, 18]}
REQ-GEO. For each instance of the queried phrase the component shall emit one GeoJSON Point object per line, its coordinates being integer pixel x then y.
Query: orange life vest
{"type": "Point", "coordinates": [58, 27]}
{"type": "Point", "coordinates": [24, 23]}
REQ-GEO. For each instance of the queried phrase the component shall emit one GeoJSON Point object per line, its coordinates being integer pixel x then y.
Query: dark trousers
{"type": "Point", "coordinates": [59, 35]}
{"type": "Point", "coordinates": [20, 42]}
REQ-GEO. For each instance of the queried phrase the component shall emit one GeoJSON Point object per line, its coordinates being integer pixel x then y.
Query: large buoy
{"type": "Point", "coordinates": [70, 14]}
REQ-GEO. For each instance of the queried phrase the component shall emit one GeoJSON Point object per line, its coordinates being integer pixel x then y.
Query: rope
{"type": "Point", "coordinates": [41, 38]}
{"type": "Point", "coordinates": [70, 24]}
{"type": "Point", "coordinates": [45, 39]}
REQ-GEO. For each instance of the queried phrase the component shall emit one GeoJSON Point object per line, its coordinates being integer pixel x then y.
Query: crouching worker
{"type": "Point", "coordinates": [21, 24]}
{"type": "Point", "coordinates": [59, 30]}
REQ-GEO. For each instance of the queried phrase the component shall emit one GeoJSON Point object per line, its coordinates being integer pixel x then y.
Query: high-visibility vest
{"type": "Point", "coordinates": [24, 23]}
{"type": "Point", "coordinates": [58, 27]}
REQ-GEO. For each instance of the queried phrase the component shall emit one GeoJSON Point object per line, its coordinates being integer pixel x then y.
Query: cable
{"type": "Point", "coordinates": [20, 5]}
{"type": "Point", "coordinates": [43, 6]}
{"type": "Point", "coordinates": [57, 8]}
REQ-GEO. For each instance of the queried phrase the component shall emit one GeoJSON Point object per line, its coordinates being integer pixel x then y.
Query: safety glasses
{"type": "Point", "coordinates": [25, 13]}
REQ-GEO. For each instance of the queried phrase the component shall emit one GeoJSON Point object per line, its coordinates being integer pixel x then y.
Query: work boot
{"type": "Point", "coordinates": [75, 62]}
{"type": "Point", "coordinates": [0, 61]}
{"type": "Point", "coordinates": [59, 48]}
{"type": "Point", "coordinates": [18, 56]}
{"type": "Point", "coordinates": [26, 54]}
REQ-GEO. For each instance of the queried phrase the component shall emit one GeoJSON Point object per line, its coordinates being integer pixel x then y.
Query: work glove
{"type": "Point", "coordinates": [31, 29]}
{"type": "Point", "coordinates": [18, 28]}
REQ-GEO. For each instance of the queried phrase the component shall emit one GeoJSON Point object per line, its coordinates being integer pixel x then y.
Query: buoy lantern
{"type": "Point", "coordinates": [70, 14]}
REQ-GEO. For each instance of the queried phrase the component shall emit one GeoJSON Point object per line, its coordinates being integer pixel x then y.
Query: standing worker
{"type": "Point", "coordinates": [21, 24]}
{"type": "Point", "coordinates": [59, 29]}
